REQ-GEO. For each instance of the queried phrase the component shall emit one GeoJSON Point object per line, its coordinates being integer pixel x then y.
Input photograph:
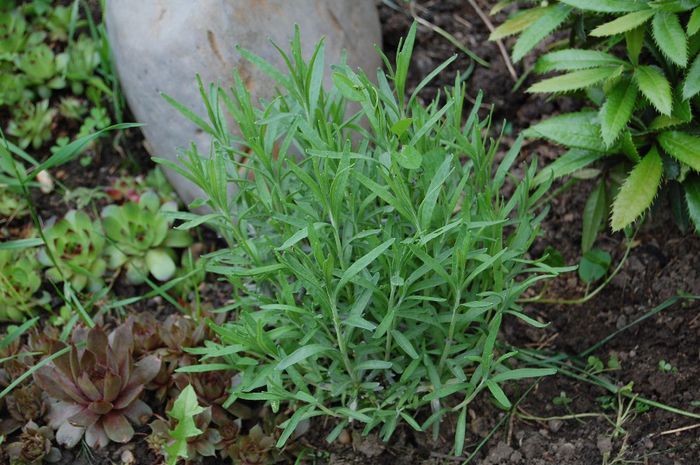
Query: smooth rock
{"type": "Point", "coordinates": [159, 46]}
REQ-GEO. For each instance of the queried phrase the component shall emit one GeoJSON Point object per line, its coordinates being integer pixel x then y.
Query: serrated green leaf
{"type": "Point", "coordinates": [694, 22]}
{"type": "Point", "coordinates": [623, 23]}
{"type": "Point", "coordinates": [617, 110]}
{"type": "Point", "coordinates": [517, 23]}
{"type": "Point", "coordinates": [628, 148]}
{"type": "Point", "coordinates": [638, 191]}
{"type": "Point", "coordinates": [577, 130]}
{"type": "Point", "coordinates": [670, 37]}
{"type": "Point", "coordinates": [692, 198]}
{"type": "Point", "coordinates": [575, 59]}
{"type": "Point", "coordinates": [691, 86]}
{"type": "Point", "coordinates": [653, 84]}
{"type": "Point", "coordinates": [573, 81]}
{"type": "Point", "coordinates": [552, 17]}
{"type": "Point", "coordinates": [607, 6]}
{"type": "Point", "coordinates": [682, 146]}
{"type": "Point", "coordinates": [594, 214]}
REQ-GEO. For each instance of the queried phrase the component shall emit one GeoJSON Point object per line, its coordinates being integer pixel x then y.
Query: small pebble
{"type": "Point", "coordinates": [344, 437]}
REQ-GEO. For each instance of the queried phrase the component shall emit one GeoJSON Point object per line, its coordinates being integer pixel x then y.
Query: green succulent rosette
{"type": "Point", "coordinates": [20, 279]}
{"type": "Point", "coordinates": [73, 252]}
{"type": "Point", "coordinates": [142, 238]}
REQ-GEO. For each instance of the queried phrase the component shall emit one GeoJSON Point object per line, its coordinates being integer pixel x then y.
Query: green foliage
{"type": "Point", "coordinates": [185, 409]}
{"type": "Point", "coordinates": [594, 265]}
{"type": "Point", "coordinates": [372, 255]}
{"type": "Point", "coordinates": [645, 93]}
{"type": "Point", "coordinates": [73, 252]}
{"type": "Point", "coordinates": [141, 238]}
{"type": "Point", "coordinates": [31, 124]}
{"type": "Point", "coordinates": [20, 279]}
{"type": "Point", "coordinates": [44, 50]}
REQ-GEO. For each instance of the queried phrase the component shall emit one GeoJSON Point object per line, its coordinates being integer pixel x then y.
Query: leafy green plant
{"type": "Point", "coordinates": [44, 48]}
{"type": "Point", "coordinates": [73, 252]}
{"type": "Point", "coordinates": [142, 238]}
{"type": "Point", "coordinates": [11, 204]}
{"type": "Point", "coordinates": [95, 390]}
{"type": "Point", "coordinates": [373, 270]}
{"type": "Point", "coordinates": [187, 434]}
{"type": "Point", "coordinates": [20, 279]}
{"type": "Point", "coordinates": [31, 124]}
{"type": "Point", "coordinates": [638, 64]}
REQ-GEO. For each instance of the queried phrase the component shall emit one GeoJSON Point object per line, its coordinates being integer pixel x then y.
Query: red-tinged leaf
{"type": "Point", "coordinates": [138, 412]}
{"type": "Point", "coordinates": [97, 344]}
{"type": "Point", "coordinates": [117, 427]}
{"type": "Point", "coordinates": [95, 436]}
{"type": "Point", "coordinates": [84, 418]}
{"type": "Point", "coordinates": [69, 435]}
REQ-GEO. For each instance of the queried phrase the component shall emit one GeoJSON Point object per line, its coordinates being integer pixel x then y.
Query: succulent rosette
{"type": "Point", "coordinates": [76, 244]}
{"type": "Point", "coordinates": [20, 279]}
{"type": "Point", "coordinates": [95, 390]}
{"type": "Point", "coordinates": [34, 446]}
{"type": "Point", "coordinates": [142, 238]}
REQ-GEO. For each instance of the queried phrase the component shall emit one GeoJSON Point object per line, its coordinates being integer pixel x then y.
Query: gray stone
{"type": "Point", "coordinates": [159, 46]}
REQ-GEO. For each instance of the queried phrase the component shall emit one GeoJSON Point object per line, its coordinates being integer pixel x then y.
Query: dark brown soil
{"type": "Point", "coordinates": [662, 263]}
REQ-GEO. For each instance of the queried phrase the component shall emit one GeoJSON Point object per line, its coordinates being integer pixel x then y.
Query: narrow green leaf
{"type": "Point", "coordinates": [655, 87]}
{"type": "Point", "coordinates": [570, 162]}
{"type": "Point", "coordinates": [573, 81]}
{"type": "Point", "coordinates": [691, 86]}
{"type": "Point", "coordinates": [694, 22]}
{"type": "Point", "coordinates": [460, 431]}
{"type": "Point", "coordinates": [373, 365]}
{"type": "Point", "coordinates": [404, 343]}
{"type": "Point", "coordinates": [292, 424]}
{"type": "Point", "coordinates": [552, 17]}
{"type": "Point", "coordinates": [431, 196]}
{"type": "Point", "coordinates": [670, 37]}
{"type": "Point", "coordinates": [638, 191]}
{"type": "Point", "coordinates": [498, 394]}
{"type": "Point", "coordinates": [594, 214]}
{"type": "Point", "coordinates": [617, 110]}
{"type": "Point", "coordinates": [363, 263]}
{"type": "Point", "coordinates": [517, 23]}
{"type": "Point", "coordinates": [573, 59]}
{"type": "Point", "coordinates": [623, 23]}
{"type": "Point", "coordinates": [682, 146]}
{"type": "Point", "coordinates": [19, 244]}
{"type": "Point", "coordinates": [301, 354]}
{"type": "Point", "coordinates": [523, 373]}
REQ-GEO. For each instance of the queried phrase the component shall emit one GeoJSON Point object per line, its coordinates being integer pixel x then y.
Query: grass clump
{"type": "Point", "coordinates": [371, 253]}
